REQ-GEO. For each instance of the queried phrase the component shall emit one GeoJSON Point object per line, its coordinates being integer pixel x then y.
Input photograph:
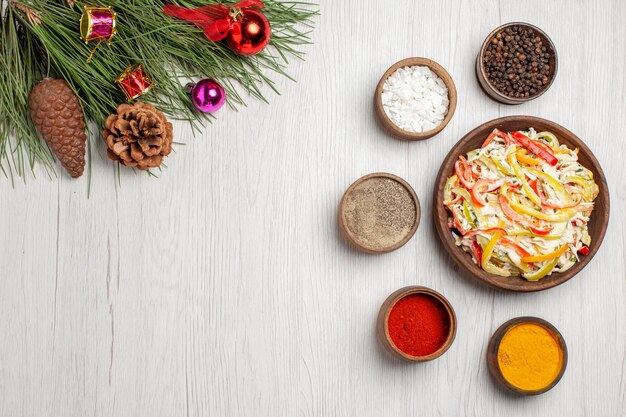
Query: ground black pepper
{"type": "Point", "coordinates": [379, 213]}
{"type": "Point", "coordinates": [517, 62]}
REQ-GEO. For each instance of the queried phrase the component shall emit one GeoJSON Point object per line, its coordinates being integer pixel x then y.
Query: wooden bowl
{"type": "Point", "coordinates": [494, 345]}
{"type": "Point", "coordinates": [386, 122]}
{"type": "Point", "coordinates": [382, 330]}
{"type": "Point", "coordinates": [343, 226]}
{"type": "Point", "coordinates": [597, 224]}
{"type": "Point", "coordinates": [493, 92]}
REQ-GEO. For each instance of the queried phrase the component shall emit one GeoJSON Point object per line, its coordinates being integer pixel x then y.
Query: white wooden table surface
{"type": "Point", "coordinates": [224, 288]}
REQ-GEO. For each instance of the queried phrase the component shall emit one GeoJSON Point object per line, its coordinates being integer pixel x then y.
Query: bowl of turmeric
{"type": "Point", "coordinates": [527, 356]}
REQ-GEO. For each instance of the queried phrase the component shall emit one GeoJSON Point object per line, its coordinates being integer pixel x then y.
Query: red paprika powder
{"type": "Point", "coordinates": [418, 324]}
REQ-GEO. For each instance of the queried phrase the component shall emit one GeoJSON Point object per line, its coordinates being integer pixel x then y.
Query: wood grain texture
{"type": "Point", "coordinates": [224, 288]}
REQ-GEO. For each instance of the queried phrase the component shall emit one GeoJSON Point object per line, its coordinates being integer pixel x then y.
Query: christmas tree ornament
{"type": "Point", "coordinates": [246, 30]}
{"type": "Point", "coordinates": [250, 32]}
{"type": "Point", "coordinates": [207, 95]}
{"type": "Point", "coordinates": [138, 136]}
{"type": "Point", "coordinates": [45, 37]}
{"type": "Point", "coordinates": [134, 82]}
{"type": "Point", "coordinates": [97, 24]}
{"type": "Point", "coordinates": [57, 114]}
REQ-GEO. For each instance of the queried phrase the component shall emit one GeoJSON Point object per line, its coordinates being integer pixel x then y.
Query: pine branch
{"type": "Point", "coordinates": [33, 16]}
{"type": "Point", "coordinates": [20, 69]}
{"type": "Point", "coordinates": [171, 50]}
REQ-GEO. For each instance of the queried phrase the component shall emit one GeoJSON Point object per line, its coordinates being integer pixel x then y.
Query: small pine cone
{"type": "Point", "coordinates": [138, 135]}
{"type": "Point", "coordinates": [57, 114]}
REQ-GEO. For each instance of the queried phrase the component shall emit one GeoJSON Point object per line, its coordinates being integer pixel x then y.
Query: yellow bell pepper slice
{"type": "Point", "coordinates": [463, 192]}
{"type": "Point", "coordinates": [558, 187]}
{"type": "Point", "coordinates": [487, 252]}
{"type": "Point", "coordinates": [522, 232]}
{"type": "Point", "coordinates": [541, 272]}
{"type": "Point", "coordinates": [501, 167]}
{"type": "Point", "coordinates": [590, 187]}
{"type": "Point", "coordinates": [560, 216]}
{"type": "Point", "coordinates": [550, 138]}
{"type": "Point", "coordinates": [490, 164]}
{"type": "Point", "coordinates": [530, 193]}
{"type": "Point", "coordinates": [447, 190]}
{"type": "Point", "coordinates": [470, 215]}
{"type": "Point", "coordinates": [523, 156]}
{"type": "Point", "coordinates": [585, 182]}
{"type": "Point", "coordinates": [545, 257]}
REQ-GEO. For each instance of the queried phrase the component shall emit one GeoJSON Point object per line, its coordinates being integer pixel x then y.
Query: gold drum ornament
{"type": "Point", "coordinates": [98, 24]}
{"type": "Point", "coordinates": [134, 82]}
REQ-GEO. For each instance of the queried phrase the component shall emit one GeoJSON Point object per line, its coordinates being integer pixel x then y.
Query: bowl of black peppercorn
{"type": "Point", "coordinates": [516, 63]}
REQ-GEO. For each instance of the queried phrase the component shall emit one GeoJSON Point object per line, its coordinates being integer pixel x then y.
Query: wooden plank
{"type": "Point", "coordinates": [225, 288]}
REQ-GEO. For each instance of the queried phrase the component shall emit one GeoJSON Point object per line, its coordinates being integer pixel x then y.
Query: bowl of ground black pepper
{"type": "Point", "coordinates": [379, 213]}
{"type": "Point", "coordinates": [517, 63]}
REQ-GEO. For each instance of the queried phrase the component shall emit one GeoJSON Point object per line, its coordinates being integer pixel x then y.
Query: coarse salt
{"type": "Point", "coordinates": [415, 99]}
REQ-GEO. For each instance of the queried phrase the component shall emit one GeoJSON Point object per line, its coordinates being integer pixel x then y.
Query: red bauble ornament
{"type": "Point", "coordinates": [250, 32]}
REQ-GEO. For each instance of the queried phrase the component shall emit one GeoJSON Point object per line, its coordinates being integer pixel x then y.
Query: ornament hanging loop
{"type": "Point", "coordinates": [235, 14]}
{"type": "Point", "coordinates": [97, 24]}
{"type": "Point", "coordinates": [93, 51]}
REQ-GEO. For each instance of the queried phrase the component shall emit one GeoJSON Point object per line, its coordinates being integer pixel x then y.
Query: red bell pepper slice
{"type": "Point", "coordinates": [534, 184]}
{"type": "Point", "coordinates": [542, 152]}
{"type": "Point", "coordinates": [477, 251]}
{"type": "Point", "coordinates": [463, 172]}
{"type": "Point", "coordinates": [458, 224]}
{"type": "Point", "coordinates": [454, 201]}
{"type": "Point", "coordinates": [495, 134]}
{"type": "Point", "coordinates": [584, 250]}
{"type": "Point", "coordinates": [523, 252]}
{"type": "Point", "coordinates": [518, 218]}
{"type": "Point", "coordinates": [483, 186]}
{"type": "Point", "coordinates": [561, 206]}
{"type": "Point", "coordinates": [544, 146]}
{"type": "Point", "coordinates": [541, 231]}
{"type": "Point", "coordinates": [542, 196]}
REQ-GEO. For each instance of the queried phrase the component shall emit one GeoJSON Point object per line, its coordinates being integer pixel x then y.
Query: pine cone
{"type": "Point", "coordinates": [59, 119]}
{"type": "Point", "coordinates": [138, 136]}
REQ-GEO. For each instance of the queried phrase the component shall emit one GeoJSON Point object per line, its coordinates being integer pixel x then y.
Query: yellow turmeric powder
{"type": "Point", "coordinates": [530, 357]}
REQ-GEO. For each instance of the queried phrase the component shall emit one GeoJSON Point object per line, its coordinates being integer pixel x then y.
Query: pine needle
{"type": "Point", "coordinates": [40, 38]}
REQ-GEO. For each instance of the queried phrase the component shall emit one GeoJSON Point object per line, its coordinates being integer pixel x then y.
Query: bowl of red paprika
{"type": "Point", "coordinates": [416, 324]}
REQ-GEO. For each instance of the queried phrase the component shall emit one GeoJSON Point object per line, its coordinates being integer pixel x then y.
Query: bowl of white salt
{"type": "Point", "coordinates": [415, 99]}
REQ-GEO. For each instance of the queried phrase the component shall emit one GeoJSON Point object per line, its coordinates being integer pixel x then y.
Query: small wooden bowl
{"type": "Point", "coordinates": [494, 345]}
{"type": "Point", "coordinates": [493, 92]}
{"type": "Point", "coordinates": [343, 226]}
{"type": "Point", "coordinates": [598, 222]}
{"type": "Point", "coordinates": [382, 331]}
{"type": "Point", "coordinates": [386, 122]}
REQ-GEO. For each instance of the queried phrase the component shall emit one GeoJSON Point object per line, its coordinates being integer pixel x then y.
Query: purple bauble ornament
{"type": "Point", "coordinates": [207, 95]}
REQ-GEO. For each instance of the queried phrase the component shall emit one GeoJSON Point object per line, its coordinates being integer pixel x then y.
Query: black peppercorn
{"type": "Point", "coordinates": [516, 62]}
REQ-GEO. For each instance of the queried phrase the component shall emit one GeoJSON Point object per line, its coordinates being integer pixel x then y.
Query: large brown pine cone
{"type": "Point", "coordinates": [138, 136]}
{"type": "Point", "coordinates": [57, 114]}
